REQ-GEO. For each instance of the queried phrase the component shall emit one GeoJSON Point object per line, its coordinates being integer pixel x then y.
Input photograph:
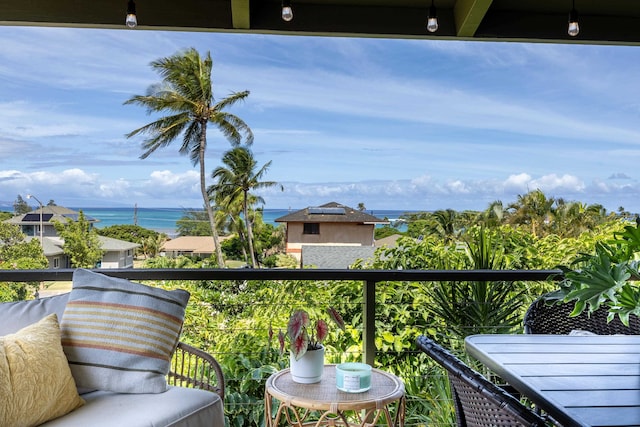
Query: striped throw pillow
{"type": "Point", "coordinates": [119, 335]}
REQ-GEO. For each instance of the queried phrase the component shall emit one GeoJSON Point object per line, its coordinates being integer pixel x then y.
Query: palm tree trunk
{"type": "Point", "coordinates": [254, 263]}
{"type": "Point", "coordinates": [207, 202]}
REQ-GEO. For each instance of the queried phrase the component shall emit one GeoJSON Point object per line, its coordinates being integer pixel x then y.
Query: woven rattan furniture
{"type": "Point", "coordinates": [546, 317]}
{"type": "Point", "coordinates": [478, 402]}
{"type": "Point", "coordinates": [192, 367]}
{"type": "Point", "coordinates": [322, 404]}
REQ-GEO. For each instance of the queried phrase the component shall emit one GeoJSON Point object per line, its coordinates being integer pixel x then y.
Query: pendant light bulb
{"type": "Point", "coordinates": [574, 26]}
{"type": "Point", "coordinates": [131, 20]}
{"type": "Point", "coordinates": [287, 11]}
{"type": "Point", "coordinates": [432, 19]}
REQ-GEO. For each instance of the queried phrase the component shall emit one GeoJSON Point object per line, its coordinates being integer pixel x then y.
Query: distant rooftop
{"type": "Point", "coordinates": [331, 212]}
{"type": "Point", "coordinates": [49, 214]}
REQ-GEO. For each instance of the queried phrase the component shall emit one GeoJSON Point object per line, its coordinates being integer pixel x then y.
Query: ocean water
{"type": "Point", "coordinates": [164, 219]}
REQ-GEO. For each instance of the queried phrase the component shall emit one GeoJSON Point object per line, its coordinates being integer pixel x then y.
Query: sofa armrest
{"type": "Point", "coordinates": [192, 367]}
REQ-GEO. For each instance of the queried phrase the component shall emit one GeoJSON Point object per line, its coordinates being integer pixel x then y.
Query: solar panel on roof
{"type": "Point", "coordinates": [36, 217]}
{"type": "Point", "coordinates": [326, 211]}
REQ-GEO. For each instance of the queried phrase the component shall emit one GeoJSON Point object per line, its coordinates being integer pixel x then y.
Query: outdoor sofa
{"type": "Point", "coordinates": [143, 397]}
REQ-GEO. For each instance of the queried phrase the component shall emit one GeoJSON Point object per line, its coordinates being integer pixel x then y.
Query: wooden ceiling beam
{"type": "Point", "coordinates": [240, 14]}
{"type": "Point", "coordinates": [468, 15]}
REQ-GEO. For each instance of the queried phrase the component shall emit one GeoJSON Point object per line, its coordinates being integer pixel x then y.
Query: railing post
{"type": "Point", "coordinates": [369, 322]}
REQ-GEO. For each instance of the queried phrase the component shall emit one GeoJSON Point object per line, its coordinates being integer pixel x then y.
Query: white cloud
{"type": "Point", "coordinates": [168, 188]}
{"type": "Point", "coordinates": [168, 178]}
{"type": "Point", "coordinates": [517, 183]}
{"type": "Point", "coordinates": [166, 185]}
{"type": "Point", "coordinates": [553, 182]}
{"type": "Point", "coordinates": [120, 188]}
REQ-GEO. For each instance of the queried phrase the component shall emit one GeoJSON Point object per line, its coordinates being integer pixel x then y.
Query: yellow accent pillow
{"type": "Point", "coordinates": [35, 380]}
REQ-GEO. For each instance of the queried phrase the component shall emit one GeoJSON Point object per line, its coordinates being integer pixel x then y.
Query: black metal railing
{"type": "Point", "coordinates": [368, 277]}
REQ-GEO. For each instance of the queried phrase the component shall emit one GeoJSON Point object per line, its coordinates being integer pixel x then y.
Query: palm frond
{"type": "Point", "coordinates": [232, 127]}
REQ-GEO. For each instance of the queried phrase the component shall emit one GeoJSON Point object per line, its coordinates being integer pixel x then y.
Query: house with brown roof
{"type": "Point", "coordinates": [330, 225]}
{"type": "Point", "coordinates": [201, 246]}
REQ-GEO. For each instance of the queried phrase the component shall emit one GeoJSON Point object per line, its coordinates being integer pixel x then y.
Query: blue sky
{"type": "Point", "coordinates": [394, 124]}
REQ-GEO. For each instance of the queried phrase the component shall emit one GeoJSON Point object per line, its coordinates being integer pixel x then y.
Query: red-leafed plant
{"type": "Point", "coordinates": [305, 335]}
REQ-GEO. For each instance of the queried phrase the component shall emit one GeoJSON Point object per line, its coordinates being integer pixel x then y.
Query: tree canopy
{"type": "Point", "coordinates": [81, 242]}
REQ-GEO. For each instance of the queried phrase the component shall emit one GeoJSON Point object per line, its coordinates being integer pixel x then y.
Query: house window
{"type": "Point", "coordinates": [56, 263]}
{"type": "Point", "coordinates": [311, 228]}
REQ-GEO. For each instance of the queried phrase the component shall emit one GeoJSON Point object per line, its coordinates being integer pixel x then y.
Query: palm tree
{"type": "Point", "coordinates": [186, 92]}
{"type": "Point", "coordinates": [494, 215]}
{"type": "Point", "coordinates": [573, 218]}
{"type": "Point", "coordinates": [152, 245]}
{"type": "Point", "coordinates": [443, 222]}
{"type": "Point", "coordinates": [230, 216]}
{"type": "Point", "coordinates": [533, 209]}
{"type": "Point", "coordinates": [237, 179]}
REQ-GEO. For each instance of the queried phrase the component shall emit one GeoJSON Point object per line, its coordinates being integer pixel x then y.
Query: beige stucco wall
{"type": "Point", "coordinates": [330, 234]}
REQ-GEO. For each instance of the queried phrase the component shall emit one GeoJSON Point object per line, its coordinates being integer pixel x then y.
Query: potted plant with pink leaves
{"type": "Point", "coordinates": [306, 353]}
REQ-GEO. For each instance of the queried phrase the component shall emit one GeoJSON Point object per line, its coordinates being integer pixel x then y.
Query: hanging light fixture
{"type": "Point", "coordinates": [432, 19]}
{"type": "Point", "coordinates": [287, 11]}
{"type": "Point", "coordinates": [131, 20]}
{"type": "Point", "coordinates": [574, 26]}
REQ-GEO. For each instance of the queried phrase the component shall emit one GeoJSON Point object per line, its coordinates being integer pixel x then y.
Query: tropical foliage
{"type": "Point", "coordinates": [16, 253]}
{"type": "Point", "coordinates": [603, 277]}
{"type": "Point", "coordinates": [533, 212]}
{"type": "Point", "coordinates": [81, 242]}
{"type": "Point", "coordinates": [150, 241]}
{"type": "Point", "coordinates": [193, 223]}
{"type": "Point", "coordinates": [127, 232]}
{"type": "Point", "coordinates": [186, 92]}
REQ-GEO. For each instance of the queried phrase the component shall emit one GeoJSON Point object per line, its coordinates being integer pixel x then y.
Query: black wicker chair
{"type": "Point", "coordinates": [546, 317]}
{"type": "Point", "coordinates": [478, 402]}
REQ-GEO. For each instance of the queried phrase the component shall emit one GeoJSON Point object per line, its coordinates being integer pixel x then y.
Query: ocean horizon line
{"type": "Point", "coordinates": [201, 209]}
{"type": "Point", "coordinates": [165, 219]}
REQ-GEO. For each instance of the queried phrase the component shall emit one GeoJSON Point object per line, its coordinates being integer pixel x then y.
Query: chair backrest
{"type": "Point", "coordinates": [547, 317]}
{"type": "Point", "coordinates": [478, 402]}
{"type": "Point", "coordinates": [194, 368]}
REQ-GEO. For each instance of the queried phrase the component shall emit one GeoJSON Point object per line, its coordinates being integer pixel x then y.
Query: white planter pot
{"type": "Point", "coordinates": [308, 369]}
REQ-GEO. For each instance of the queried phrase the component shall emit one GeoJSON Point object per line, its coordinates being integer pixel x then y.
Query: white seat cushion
{"type": "Point", "coordinates": [177, 407]}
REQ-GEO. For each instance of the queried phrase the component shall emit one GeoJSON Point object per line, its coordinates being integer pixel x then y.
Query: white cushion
{"type": "Point", "coordinates": [16, 315]}
{"type": "Point", "coordinates": [177, 407]}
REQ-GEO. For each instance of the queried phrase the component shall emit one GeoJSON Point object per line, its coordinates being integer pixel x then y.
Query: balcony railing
{"type": "Point", "coordinates": [369, 278]}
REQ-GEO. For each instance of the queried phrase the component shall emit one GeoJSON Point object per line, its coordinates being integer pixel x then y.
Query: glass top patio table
{"type": "Point", "coordinates": [578, 380]}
